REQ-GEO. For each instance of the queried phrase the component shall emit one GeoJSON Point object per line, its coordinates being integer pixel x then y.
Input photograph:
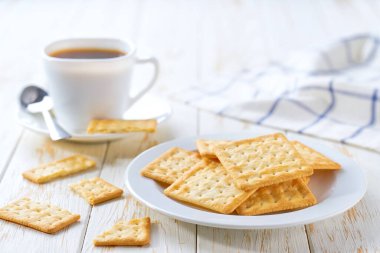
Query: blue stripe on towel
{"type": "Point", "coordinates": [272, 108]}
{"type": "Point", "coordinates": [372, 119]}
{"type": "Point", "coordinates": [327, 61]}
{"type": "Point", "coordinates": [347, 44]}
{"type": "Point", "coordinates": [289, 69]}
{"type": "Point", "coordinates": [311, 111]}
{"type": "Point", "coordinates": [312, 87]}
{"type": "Point", "coordinates": [326, 58]}
{"type": "Point", "coordinates": [328, 109]}
{"type": "Point", "coordinates": [347, 48]}
{"type": "Point", "coordinates": [276, 102]}
{"type": "Point", "coordinates": [339, 91]}
{"type": "Point", "coordinates": [372, 54]}
{"type": "Point", "coordinates": [302, 105]}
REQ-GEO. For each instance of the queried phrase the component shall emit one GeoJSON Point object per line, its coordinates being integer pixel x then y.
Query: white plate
{"type": "Point", "coordinates": [336, 191]}
{"type": "Point", "coordinates": [148, 107]}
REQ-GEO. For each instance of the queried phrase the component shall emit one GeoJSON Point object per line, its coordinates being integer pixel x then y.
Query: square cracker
{"type": "Point", "coordinates": [206, 147]}
{"type": "Point", "coordinates": [171, 165]}
{"type": "Point", "coordinates": [278, 197]}
{"type": "Point", "coordinates": [262, 161]}
{"type": "Point", "coordinates": [135, 232]}
{"type": "Point", "coordinates": [42, 217]}
{"type": "Point", "coordinates": [96, 190]}
{"type": "Point", "coordinates": [315, 159]}
{"type": "Point", "coordinates": [121, 126]}
{"type": "Point", "coordinates": [210, 186]}
{"type": "Point", "coordinates": [50, 171]}
{"type": "Point", "coordinates": [306, 180]}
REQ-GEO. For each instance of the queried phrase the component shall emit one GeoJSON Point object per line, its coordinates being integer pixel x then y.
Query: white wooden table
{"type": "Point", "coordinates": [194, 40]}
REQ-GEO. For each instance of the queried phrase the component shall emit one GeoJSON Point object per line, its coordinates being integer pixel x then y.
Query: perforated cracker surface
{"type": "Point", "coordinates": [206, 147]}
{"type": "Point", "coordinates": [208, 185]}
{"type": "Point", "coordinates": [121, 126]}
{"type": "Point", "coordinates": [135, 232]}
{"type": "Point", "coordinates": [50, 171]}
{"type": "Point", "coordinates": [43, 217]}
{"type": "Point", "coordinates": [306, 180]}
{"type": "Point", "coordinates": [279, 197]}
{"type": "Point", "coordinates": [315, 159]}
{"type": "Point", "coordinates": [96, 190]}
{"type": "Point", "coordinates": [171, 165]}
{"type": "Point", "coordinates": [262, 161]}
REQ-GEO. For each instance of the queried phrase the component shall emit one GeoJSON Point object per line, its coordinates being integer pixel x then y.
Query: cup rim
{"type": "Point", "coordinates": [129, 43]}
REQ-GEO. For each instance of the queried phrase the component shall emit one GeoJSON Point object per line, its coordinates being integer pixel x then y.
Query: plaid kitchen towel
{"type": "Point", "coordinates": [330, 92]}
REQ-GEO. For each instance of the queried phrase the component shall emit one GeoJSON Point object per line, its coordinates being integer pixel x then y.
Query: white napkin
{"type": "Point", "coordinates": [330, 92]}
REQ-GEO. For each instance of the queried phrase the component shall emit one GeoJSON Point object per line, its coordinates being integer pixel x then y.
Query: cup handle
{"type": "Point", "coordinates": [151, 60]}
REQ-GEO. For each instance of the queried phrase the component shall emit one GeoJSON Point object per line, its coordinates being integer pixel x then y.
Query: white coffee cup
{"type": "Point", "coordinates": [85, 89]}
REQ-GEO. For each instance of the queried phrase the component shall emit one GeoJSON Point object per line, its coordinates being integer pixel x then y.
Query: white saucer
{"type": "Point", "coordinates": [336, 191]}
{"type": "Point", "coordinates": [148, 107]}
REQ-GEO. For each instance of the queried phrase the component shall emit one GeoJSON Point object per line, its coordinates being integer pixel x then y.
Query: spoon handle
{"type": "Point", "coordinates": [55, 130]}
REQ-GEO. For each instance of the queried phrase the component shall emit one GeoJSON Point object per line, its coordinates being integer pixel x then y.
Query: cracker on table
{"type": "Point", "coordinates": [278, 197]}
{"type": "Point", "coordinates": [121, 126]}
{"type": "Point", "coordinates": [262, 161]}
{"type": "Point", "coordinates": [61, 168]}
{"type": "Point", "coordinates": [96, 190]}
{"type": "Point", "coordinates": [42, 217]}
{"type": "Point", "coordinates": [315, 159]}
{"type": "Point", "coordinates": [210, 186]}
{"type": "Point", "coordinates": [206, 147]}
{"type": "Point", "coordinates": [171, 165]}
{"type": "Point", "coordinates": [135, 232]}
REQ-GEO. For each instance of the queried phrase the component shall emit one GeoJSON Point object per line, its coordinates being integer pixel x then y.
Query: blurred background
{"type": "Point", "coordinates": [194, 40]}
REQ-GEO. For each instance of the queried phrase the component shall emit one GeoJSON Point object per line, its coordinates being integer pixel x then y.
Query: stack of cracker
{"type": "Point", "coordinates": [254, 176]}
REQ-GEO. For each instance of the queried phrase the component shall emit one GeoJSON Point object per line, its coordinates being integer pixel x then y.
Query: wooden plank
{"type": "Point", "coordinates": [228, 240]}
{"type": "Point", "coordinates": [168, 235]}
{"type": "Point", "coordinates": [16, 72]}
{"type": "Point", "coordinates": [268, 240]}
{"type": "Point", "coordinates": [33, 150]}
{"type": "Point", "coordinates": [177, 57]}
{"type": "Point", "coordinates": [356, 230]}
{"type": "Point", "coordinates": [345, 15]}
{"type": "Point", "coordinates": [20, 64]}
{"type": "Point", "coordinates": [169, 30]}
{"type": "Point", "coordinates": [99, 18]}
{"type": "Point", "coordinates": [233, 36]}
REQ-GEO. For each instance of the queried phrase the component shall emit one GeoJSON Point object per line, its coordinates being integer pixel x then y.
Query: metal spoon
{"type": "Point", "coordinates": [37, 100]}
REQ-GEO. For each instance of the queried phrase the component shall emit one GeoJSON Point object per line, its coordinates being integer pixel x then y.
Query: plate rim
{"type": "Point", "coordinates": [170, 213]}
